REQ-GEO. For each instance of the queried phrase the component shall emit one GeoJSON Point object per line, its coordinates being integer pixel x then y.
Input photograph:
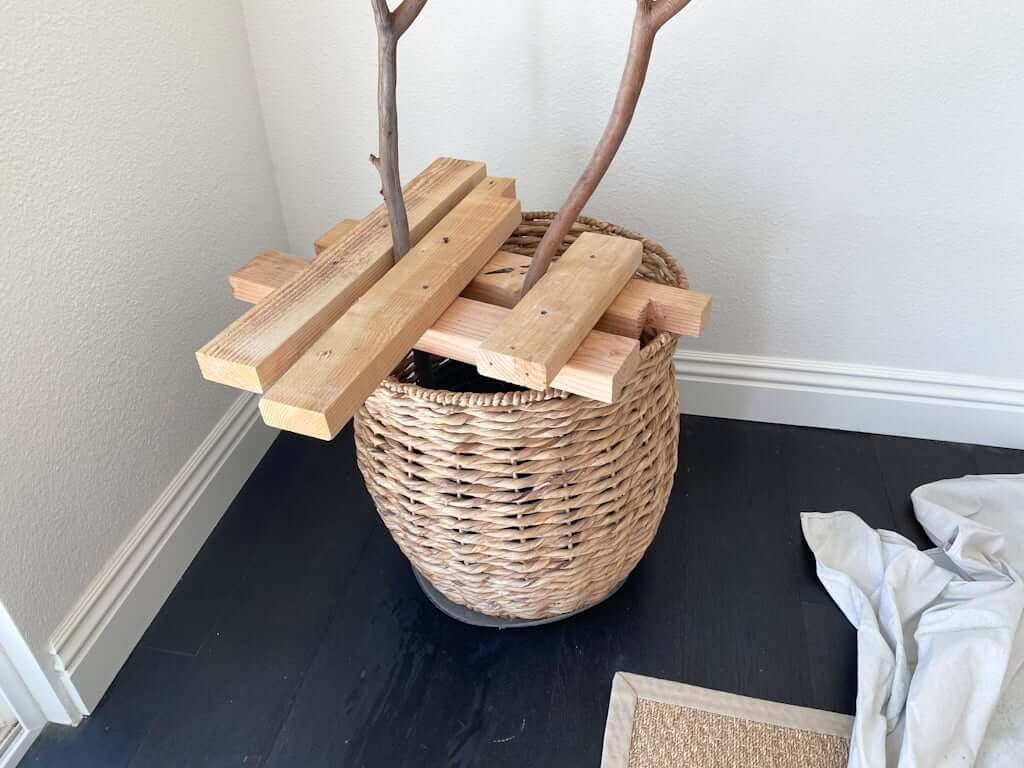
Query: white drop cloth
{"type": "Point", "coordinates": [938, 646]}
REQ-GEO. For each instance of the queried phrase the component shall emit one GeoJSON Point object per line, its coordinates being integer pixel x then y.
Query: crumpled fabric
{"type": "Point", "coordinates": [939, 637]}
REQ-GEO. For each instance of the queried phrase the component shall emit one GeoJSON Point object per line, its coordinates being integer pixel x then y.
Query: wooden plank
{"type": "Point", "coordinates": [599, 368]}
{"type": "Point", "coordinates": [641, 304]}
{"type": "Point", "coordinates": [673, 309]}
{"type": "Point", "coordinates": [256, 349]}
{"type": "Point", "coordinates": [334, 234]}
{"type": "Point", "coordinates": [322, 390]}
{"type": "Point", "coordinates": [499, 186]}
{"type": "Point", "coordinates": [550, 322]}
{"type": "Point", "coordinates": [261, 276]}
{"type": "Point", "coordinates": [601, 365]}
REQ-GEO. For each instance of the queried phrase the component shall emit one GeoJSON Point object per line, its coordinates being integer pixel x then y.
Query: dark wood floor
{"type": "Point", "coordinates": [298, 637]}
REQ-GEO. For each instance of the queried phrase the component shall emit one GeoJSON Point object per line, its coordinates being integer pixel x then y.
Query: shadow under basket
{"type": "Point", "coordinates": [522, 506]}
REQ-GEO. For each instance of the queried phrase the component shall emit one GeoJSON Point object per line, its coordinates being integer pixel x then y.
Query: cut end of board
{"type": "Point", "coordinates": [682, 312]}
{"type": "Point", "coordinates": [505, 366]}
{"type": "Point", "coordinates": [228, 372]}
{"type": "Point", "coordinates": [260, 276]}
{"type": "Point", "coordinates": [625, 372]}
{"type": "Point", "coordinates": [292, 418]}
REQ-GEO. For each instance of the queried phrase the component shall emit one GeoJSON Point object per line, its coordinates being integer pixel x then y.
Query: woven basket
{"type": "Point", "coordinates": [527, 505]}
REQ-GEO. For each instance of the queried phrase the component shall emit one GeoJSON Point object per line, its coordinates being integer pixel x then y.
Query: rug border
{"type": "Point", "coordinates": [627, 688]}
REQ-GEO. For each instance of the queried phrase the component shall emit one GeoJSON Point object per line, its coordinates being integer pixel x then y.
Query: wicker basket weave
{"type": "Point", "coordinates": [524, 504]}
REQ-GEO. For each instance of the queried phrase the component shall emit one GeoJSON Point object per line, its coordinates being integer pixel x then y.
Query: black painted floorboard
{"type": "Point", "coordinates": [298, 636]}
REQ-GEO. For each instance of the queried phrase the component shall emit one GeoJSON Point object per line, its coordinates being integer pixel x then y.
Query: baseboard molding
{"type": "Point", "coordinates": [24, 684]}
{"type": "Point", "coordinates": [14, 743]}
{"type": "Point", "coordinates": [861, 398]}
{"type": "Point", "coordinates": [96, 638]}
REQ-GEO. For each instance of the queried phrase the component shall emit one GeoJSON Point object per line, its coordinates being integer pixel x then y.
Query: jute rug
{"type": "Point", "coordinates": [660, 724]}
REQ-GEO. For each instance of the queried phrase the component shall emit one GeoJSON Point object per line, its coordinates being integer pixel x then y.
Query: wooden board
{"type": "Point", "coordinates": [498, 186]}
{"type": "Point", "coordinates": [602, 364]}
{"type": "Point", "coordinates": [670, 309]}
{"type": "Point", "coordinates": [260, 346]}
{"type": "Point", "coordinates": [261, 276]}
{"type": "Point", "coordinates": [550, 322]}
{"type": "Point", "coordinates": [599, 368]}
{"type": "Point", "coordinates": [323, 389]}
{"type": "Point", "coordinates": [641, 304]}
{"type": "Point", "coordinates": [334, 234]}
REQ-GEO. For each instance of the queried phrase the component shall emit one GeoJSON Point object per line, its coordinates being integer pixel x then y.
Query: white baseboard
{"type": "Point", "coordinates": [25, 687]}
{"type": "Point", "coordinates": [14, 743]}
{"type": "Point", "coordinates": [861, 398]}
{"type": "Point", "coordinates": [95, 639]}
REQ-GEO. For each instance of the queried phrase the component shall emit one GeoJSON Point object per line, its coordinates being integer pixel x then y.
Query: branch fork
{"type": "Point", "coordinates": [650, 16]}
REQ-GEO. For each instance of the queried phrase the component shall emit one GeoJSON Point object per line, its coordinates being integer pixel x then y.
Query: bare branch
{"type": "Point", "coordinates": [390, 27]}
{"type": "Point", "coordinates": [650, 16]}
{"type": "Point", "coordinates": [663, 10]}
{"type": "Point", "coordinates": [386, 162]}
{"type": "Point", "coordinates": [381, 14]}
{"type": "Point", "coordinates": [405, 14]}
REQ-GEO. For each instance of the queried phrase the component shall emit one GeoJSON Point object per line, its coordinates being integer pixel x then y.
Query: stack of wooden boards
{"type": "Point", "coordinates": [324, 333]}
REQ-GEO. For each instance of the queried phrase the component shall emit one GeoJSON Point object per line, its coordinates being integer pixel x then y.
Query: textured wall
{"type": "Point", "coordinates": [135, 176]}
{"type": "Point", "coordinates": [846, 178]}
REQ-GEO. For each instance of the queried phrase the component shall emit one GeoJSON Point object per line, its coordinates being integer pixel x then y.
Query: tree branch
{"type": "Point", "coordinates": [387, 113]}
{"type": "Point", "coordinates": [405, 14]}
{"type": "Point", "coordinates": [663, 10]}
{"type": "Point", "coordinates": [649, 18]}
{"type": "Point", "coordinates": [390, 27]}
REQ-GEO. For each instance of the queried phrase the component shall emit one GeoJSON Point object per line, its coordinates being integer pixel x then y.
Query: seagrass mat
{"type": "Point", "coordinates": [660, 724]}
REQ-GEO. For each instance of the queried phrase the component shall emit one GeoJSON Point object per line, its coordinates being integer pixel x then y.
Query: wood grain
{"type": "Point", "coordinates": [261, 276]}
{"type": "Point", "coordinates": [260, 346]}
{"type": "Point", "coordinates": [320, 392]}
{"type": "Point", "coordinates": [334, 234]}
{"type": "Point", "coordinates": [257, 348]}
{"type": "Point", "coordinates": [549, 323]}
{"type": "Point", "coordinates": [601, 365]}
{"type": "Point", "coordinates": [599, 368]}
{"type": "Point", "coordinates": [498, 186]}
{"type": "Point", "coordinates": [641, 304]}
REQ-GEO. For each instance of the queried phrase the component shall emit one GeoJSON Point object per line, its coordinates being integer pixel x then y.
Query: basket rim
{"type": "Point", "coordinates": [524, 397]}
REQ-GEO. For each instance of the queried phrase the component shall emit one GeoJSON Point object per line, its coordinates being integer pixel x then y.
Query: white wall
{"type": "Point", "coordinates": [135, 176]}
{"type": "Point", "coordinates": [846, 178]}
